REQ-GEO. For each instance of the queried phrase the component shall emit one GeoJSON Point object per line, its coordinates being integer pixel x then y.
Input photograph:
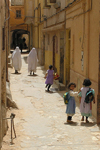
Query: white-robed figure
{"type": "Point", "coordinates": [32, 61]}
{"type": "Point", "coordinates": [16, 60]}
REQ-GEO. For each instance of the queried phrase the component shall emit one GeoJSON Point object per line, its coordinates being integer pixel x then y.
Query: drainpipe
{"type": "Point", "coordinates": [88, 40]}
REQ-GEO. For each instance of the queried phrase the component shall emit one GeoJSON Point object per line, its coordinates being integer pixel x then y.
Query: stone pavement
{"type": "Point", "coordinates": [40, 119]}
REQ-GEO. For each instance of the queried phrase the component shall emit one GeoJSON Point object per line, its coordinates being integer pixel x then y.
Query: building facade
{"type": "Point", "coordinates": [55, 37]}
{"type": "Point", "coordinates": [34, 10]}
{"type": "Point", "coordinates": [37, 29]}
{"type": "Point", "coordinates": [71, 42]}
{"type": "Point", "coordinates": [29, 15]}
{"type": "Point", "coordinates": [4, 49]}
{"type": "Point", "coordinates": [19, 30]}
{"type": "Point", "coordinates": [82, 20]}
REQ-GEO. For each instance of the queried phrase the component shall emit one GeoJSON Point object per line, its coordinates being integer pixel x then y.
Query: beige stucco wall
{"type": "Point", "coordinates": [16, 21]}
{"type": "Point", "coordinates": [48, 54]}
{"type": "Point", "coordinates": [85, 30]}
{"type": "Point", "coordinates": [3, 68]}
{"type": "Point", "coordinates": [0, 77]}
{"type": "Point", "coordinates": [55, 31]}
{"type": "Point", "coordinates": [29, 5]}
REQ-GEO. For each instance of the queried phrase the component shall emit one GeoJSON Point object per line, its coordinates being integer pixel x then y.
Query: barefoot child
{"type": "Point", "coordinates": [49, 77]}
{"type": "Point", "coordinates": [70, 109]}
{"type": "Point", "coordinates": [85, 108]}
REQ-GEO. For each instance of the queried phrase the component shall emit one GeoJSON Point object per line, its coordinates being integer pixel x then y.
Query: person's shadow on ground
{"type": "Point", "coordinates": [16, 73]}
{"type": "Point", "coordinates": [71, 124]}
{"type": "Point", "coordinates": [33, 75]}
{"type": "Point", "coordinates": [90, 124]}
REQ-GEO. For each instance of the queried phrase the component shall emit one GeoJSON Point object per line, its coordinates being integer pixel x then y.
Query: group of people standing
{"type": "Point", "coordinates": [31, 60]}
{"type": "Point", "coordinates": [85, 108]}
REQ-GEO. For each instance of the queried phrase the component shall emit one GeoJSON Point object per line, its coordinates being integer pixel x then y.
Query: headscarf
{"type": "Point", "coordinates": [16, 59]}
{"type": "Point", "coordinates": [32, 60]}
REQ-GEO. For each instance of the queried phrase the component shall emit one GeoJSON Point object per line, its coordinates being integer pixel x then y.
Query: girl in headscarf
{"type": "Point", "coordinates": [32, 61]}
{"type": "Point", "coordinates": [16, 60]}
{"type": "Point", "coordinates": [85, 108]}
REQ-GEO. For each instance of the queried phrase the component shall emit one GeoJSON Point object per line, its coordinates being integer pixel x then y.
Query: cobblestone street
{"type": "Point", "coordinates": [40, 119]}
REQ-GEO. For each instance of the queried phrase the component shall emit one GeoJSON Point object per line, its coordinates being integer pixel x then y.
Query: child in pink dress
{"type": "Point", "coordinates": [49, 77]}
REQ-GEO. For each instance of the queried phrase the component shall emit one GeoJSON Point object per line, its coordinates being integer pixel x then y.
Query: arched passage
{"type": "Point", "coordinates": [20, 38]}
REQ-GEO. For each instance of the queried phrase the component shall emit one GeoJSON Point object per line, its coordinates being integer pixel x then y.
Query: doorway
{"type": "Point", "coordinates": [20, 38]}
{"type": "Point", "coordinates": [61, 57]}
{"type": "Point", "coordinates": [54, 53]}
{"type": "Point", "coordinates": [43, 62]}
{"type": "Point", "coordinates": [68, 49]}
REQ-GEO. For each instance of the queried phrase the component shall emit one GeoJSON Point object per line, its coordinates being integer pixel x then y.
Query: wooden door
{"type": "Point", "coordinates": [61, 56]}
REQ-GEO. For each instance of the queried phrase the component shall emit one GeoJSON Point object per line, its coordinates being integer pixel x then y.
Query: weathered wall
{"type": "Point", "coordinates": [0, 77]}
{"type": "Point", "coordinates": [52, 27]}
{"type": "Point", "coordinates": [84, 27]}
{"type": "Point", "coordinates": [16, 22]}
{"type": "Point", "coordinates": [4, 36]}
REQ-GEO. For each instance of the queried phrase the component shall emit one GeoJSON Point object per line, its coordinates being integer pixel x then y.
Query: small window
{"type": "Point", "coordinates": [52, 1]}
{"type": "Point", "coordinates": [48, 3]}
{"type": "Point", "coordinates": [3, 38]}
{"type": "Point", "coordinates": [18, 13]}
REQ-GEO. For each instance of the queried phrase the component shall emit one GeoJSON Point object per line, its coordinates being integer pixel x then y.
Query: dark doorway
{"type": "Point", "coordinates": [20, 38]}
{"type": "Point", "coordinates": [43, 62]}
{"type": "Point", "coordinates": [61, 57]}
{"type": "Point", "coordinates": [54, 53]}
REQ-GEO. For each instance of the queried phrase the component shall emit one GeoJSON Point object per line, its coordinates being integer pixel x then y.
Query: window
{"type": "Point", "coordinates": [52, 1]}
{"type": "Point", "coordinates": [3, 38]}
{"type": "Point", "coordinates": [18, 13]}
{"type": "Point", "coordinates": [48, 3]}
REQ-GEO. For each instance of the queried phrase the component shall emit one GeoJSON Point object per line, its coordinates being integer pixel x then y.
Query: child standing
{"type": "Point", "coordinates": [85, 108]}
{"type": "Point", "coordinates": [70, 109]}
{"type": "Point", "coordinates": [49, 77]}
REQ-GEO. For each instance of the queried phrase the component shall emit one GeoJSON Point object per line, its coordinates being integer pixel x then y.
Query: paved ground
{"type": "Point", "coordinates": [39, 122]}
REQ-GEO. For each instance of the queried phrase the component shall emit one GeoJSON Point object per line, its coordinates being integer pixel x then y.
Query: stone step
{"type": "Point", "coordinates": [60, 86]}
{"type": "Point", "coordinates": [10, 65]}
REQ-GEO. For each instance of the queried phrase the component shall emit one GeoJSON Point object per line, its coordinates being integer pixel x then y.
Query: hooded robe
{"type": "Point", "coordinates": [16, 59]}
{"type": "Point", "coordinates": [32, 60]}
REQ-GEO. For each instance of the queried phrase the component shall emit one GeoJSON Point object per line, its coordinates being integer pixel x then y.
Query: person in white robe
{"type": "Point", "coordinates": [16, 60]}
{"type": "Point", "coordinates": [32, 61]}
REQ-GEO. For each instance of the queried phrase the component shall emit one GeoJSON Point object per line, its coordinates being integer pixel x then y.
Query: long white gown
{"type": "Point", "coordinates": [85, 108]}
{"type": "Point", "coordinates": [16, 59]}
{"type": "Point", "coordinates": [32, 60]}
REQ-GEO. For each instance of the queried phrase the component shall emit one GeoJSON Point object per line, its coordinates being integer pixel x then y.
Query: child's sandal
{"type": "Point", "coordinates": [87, 121]}
{"type": "Point", "coordinates": [69, 121]}
{"type": "Point", "coordinates": [82, 119]}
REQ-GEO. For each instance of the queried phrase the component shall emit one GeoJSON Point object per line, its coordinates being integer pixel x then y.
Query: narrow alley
{"type": "Point", "coordinates": [40, 119]}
